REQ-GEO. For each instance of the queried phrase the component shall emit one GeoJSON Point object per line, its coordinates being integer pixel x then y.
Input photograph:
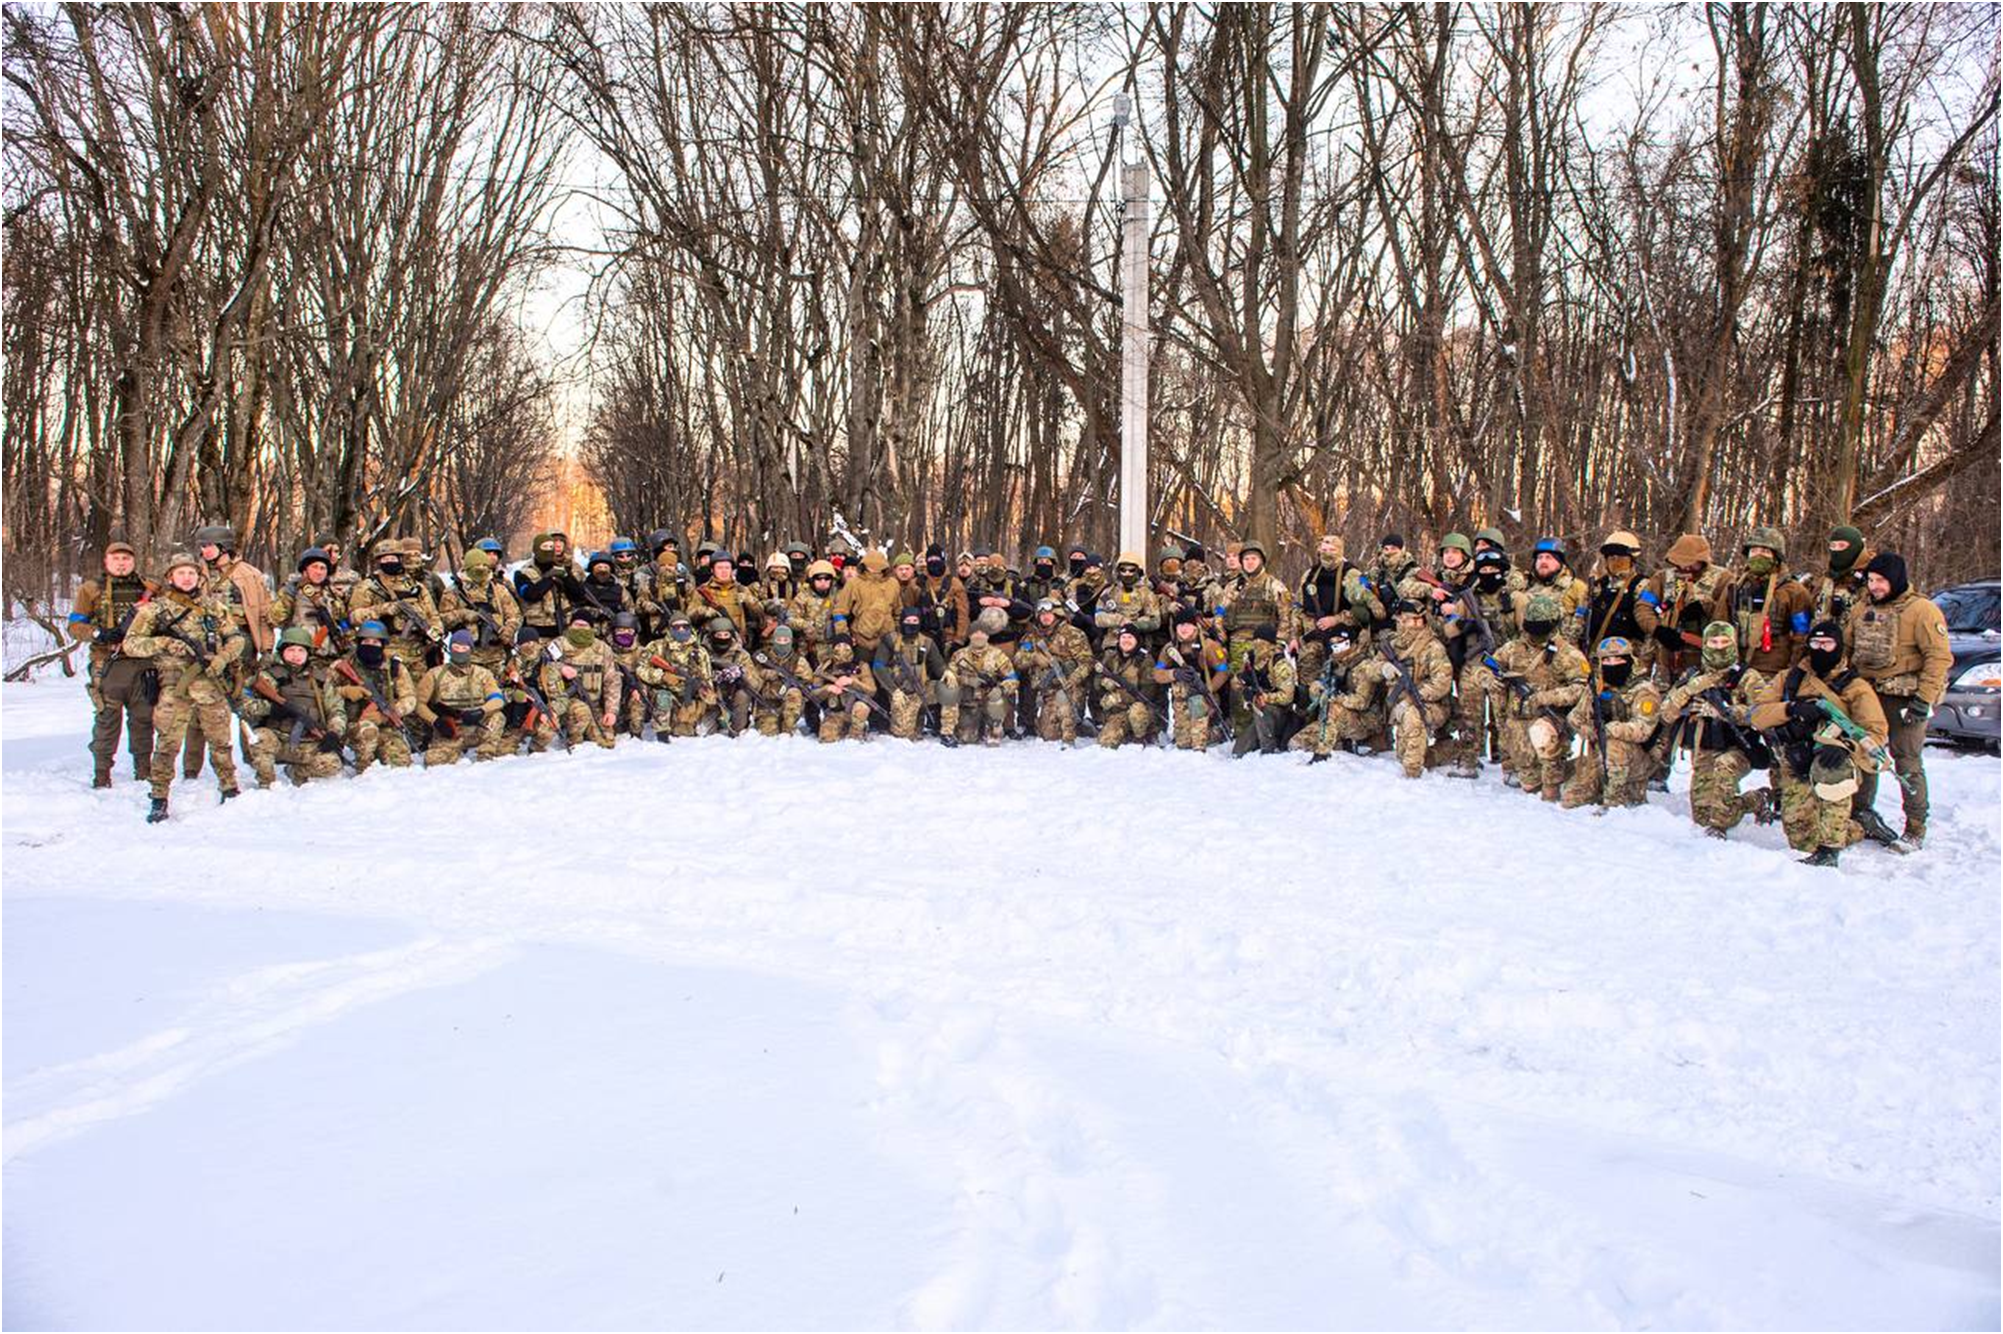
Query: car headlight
{"type": "Point", "coordinates": [1981, 676]}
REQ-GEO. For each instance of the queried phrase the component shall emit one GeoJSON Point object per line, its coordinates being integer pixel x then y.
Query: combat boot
{"type": "Point", "coordinates": [157, 811]}
{"type": "Point", "coordinates": [228, 794]}
{"type": "Point", "coordinates": [1551, 792]}
{"type": "Point", "coordinates": [1875, 828]}
{"type": "Point", "coordinates": [1820, 857]}
{"type": "Point", "coordinates": [1915, 834]}
{"type": "Point", "coordinates": [101, 776]}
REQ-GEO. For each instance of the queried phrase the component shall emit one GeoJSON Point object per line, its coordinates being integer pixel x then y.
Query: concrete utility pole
{"type": "Point", "coordinates": [1133, 353]}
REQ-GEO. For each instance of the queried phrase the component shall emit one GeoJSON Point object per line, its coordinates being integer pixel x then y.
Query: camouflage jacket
{"type": "Point", "coordinates": [160, 630]}
{"type": "Point", "coordinates": [477, 601]}
{"type": "Point", "coordinates": [403, 605]}
{"type": "Point", "coordinates": [319, 608]}
{"type": "Point", "coordinates": [596, 684]}
{"type": "Point", "coordinates": [1063, 647]}
{"type": "Point", "coordinates": [448, 689]}
{"type": "Point", "coordinates": [308, 691]}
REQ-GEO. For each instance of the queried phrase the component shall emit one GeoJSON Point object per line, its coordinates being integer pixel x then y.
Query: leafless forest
{"type": "Point", "coordinates": [1417, 267]}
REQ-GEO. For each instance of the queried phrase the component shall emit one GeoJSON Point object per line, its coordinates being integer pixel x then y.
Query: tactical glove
{"type": "Point", "coordinates": [1804, 710]}
{"type": "Point", "coordinates": [110, 635]}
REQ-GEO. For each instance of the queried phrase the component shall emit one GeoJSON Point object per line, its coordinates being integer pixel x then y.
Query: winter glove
{"type": "Point", "coordinates": [472, 717]}
{"type": "Point", "coordinates": [1918, 711]}
{"type": "Point", "coordinates": [1804, 710]}
{"type": "Point", "coordinates": [1670, 637]}
{"type": "Point", "coordinates": [1387, 671]}
{"type": "Point", "coordinates": [110, 635]}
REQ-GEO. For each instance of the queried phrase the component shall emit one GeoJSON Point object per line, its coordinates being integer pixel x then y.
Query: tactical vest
{"type": "Point", "coordinates": [1874, 644]}
{"type": "Point", "coordinates": [460, 688]}
{"type": "Point", "coordinates": [483, 637]}
{"type": "Point", "coordinates": [1253, 606]}
{"type": "Point", "coordinates": [1749, 612]}
{"type": "Point", "coordinates": [1324, 592]}
{"type": "Point", "coordinates": [117, 596]}
{"type": "Point", "coordinates": [1612, 610]}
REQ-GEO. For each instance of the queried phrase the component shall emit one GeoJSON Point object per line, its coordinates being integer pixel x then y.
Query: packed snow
{"type": "Point", "coordinates": [763, 1033]}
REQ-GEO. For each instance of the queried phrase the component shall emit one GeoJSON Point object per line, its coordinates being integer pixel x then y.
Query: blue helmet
{"type": "Point", "coordinates": [620, 544]}
{"type": "Point", "coordinates": [489, 545]}
{"type": "Point", "coordinates": [1045, 553]}
{"type": "Point", "coordinates": [372, 630]}
{"type": "Point", "coordinates": [1551, 545]}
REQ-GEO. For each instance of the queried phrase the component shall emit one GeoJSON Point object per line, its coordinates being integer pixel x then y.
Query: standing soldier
{"type": "Point", "coordinates": [845, 687]}
{"type": "Point", "coordinates": [601, 589]}
{"type": "Point", "coordinates": [1200, 587]}
{"type": "Point", "coordinates": [1055, 658]}
{"type": "Point", "coordinates": [341, 577]}
{"type": "Point", "coordinates": [990, 589]}
{"type": "Point", "coordinates": [1414, 659]}
{"type": "Point", "coordinates": [310, 601]}
{"type": "Point", "coordinates": [1899, 645]}
{"type": "Point", "coordinates": [943, 598]}
{"type": "Point", "coordinates": [300, 720]}
{"type": "Point", "coordinates": [1768, 608]}
{"type": "Point", "coordinates": [1393, 566]}
{"type": "Point", "coordinates": [1264, 684]}
{"type": "Point", "coordinates": [776, 700]}
{"type": "Point", "coordinates": [869, 603]}
{"type": "Point", "coordinates": [1818, 763]}
{"type": "Point", "coordinates": [1544, 676]}
{"type": "Point", "coordinates": [1195, 668]}
{"type": "Point", "coordinates": [777, 588]}
{"type": "Point", "coordinates": [907, 664]}
{"type": "Point", "coordinates": [401, 602]}
{"type": "Point", "coordinates": [1834, 592]}
{"type": "Point", "coordinates": [462, 703]}
{"type": "Point", "coordinates": [1043, 581]}
{"type": "Point", "coordinates": [193, 640]}
{"type": "Point", "coordinates": [240, 587]}
{"type": "Point", "coordinates": [811, 613]}
{"type": "Point", "coordinates": [1086, 590]}
{"type": "Point", "coordinates": [677, 670]}
{"type": "Point", "coordinates": [581, 681]}
{"type": "Point", "coordinates": [1551, 573]}
{"type": "Point", "coordinates": [1709, 713]}
{"type": "Point", "coordinates": [122, 689]}
{"type": "Point", "coordinates": [629, 571]}
{"type": "Point", "coordinates": [1491, 539]}
{"type": "Point", "coordinates": [1685, 592]}
{"type": "Point", "coordinates": [1620, 604]}
{"type": "Point", "coordinates": [485, 606]}
{"type": "Point", "coordinates": [1499, 597]}
{"type": "Point", "coordinates": [1616, 721]}
{"type": "Point", "coordinates": [667, 587]}
{"type": "Point", "coordinates": [981, 679]}
{"type": "Point", "coordinates": [380, 695]}
{"type": "Point", "coordinates": [1253, 600]}
{"type": "Point", "coordinates": [723, 596]}
{"type": "Point", "coordinates": [548, 587]}
{"type": "Point", "coordinates": [1128, 601]}
{"type": "Point", "coordinates": [1126, 699]}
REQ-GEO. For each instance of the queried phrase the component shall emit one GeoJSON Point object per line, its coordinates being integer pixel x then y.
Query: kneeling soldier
{"type": "Point", "coordinates": [462, 701]}
{"type": "Point", "coordinates": [299, 719]}
{"type": "Point", "coordinates": [1625, 712]}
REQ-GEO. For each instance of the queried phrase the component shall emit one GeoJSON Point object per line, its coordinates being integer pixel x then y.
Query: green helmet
{"type": "Point", "coordinates": [1167, 554]}
{"type": "Point", "coordinates": [1250, 546]}
{"type": "Point", "coordinates": [720, 625]}
{"type": "Point", "coordinates": [1543, 607]}
{"type": "Point", "coordinates": [297, 634]}
{"type": "Point", "coordinates": [1771, 538]}
{"type": "Point", "coordinates": [1458, 542]}
{"type": "Point", "coordinates": [1492, 536]}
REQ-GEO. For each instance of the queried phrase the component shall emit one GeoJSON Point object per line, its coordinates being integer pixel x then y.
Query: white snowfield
{"type": "Point", "coordinates": [746, 1034]}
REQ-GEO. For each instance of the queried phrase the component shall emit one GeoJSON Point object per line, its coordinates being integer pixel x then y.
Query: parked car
{"type": "Point", "coordinates": [1968, 713]}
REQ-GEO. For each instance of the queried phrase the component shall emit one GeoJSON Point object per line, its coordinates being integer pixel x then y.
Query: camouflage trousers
{"type": "Point", "coordinates": [524, 721]}
{"type": "Point", "coordinates": [1412, 731]}
{"type": "Point", "coordinates": [1191, 714]}
{"type": "Point", "coordinates": [1341, 721]}
{"type": "Point", "coordinates": [839, 723]}
{"type": "Point", "coordinates": [1536, 749]}
{"type": "Point", "coordinates": [1629, 767]}
{"type": "Point", "coordinates": [270, 748]}
{"type": "Point", "coordinates": [174, 716]}
{"type": "Point", "coordinates": [906, 714]}
{"type": "Point", "coordinates": [1125, 720]}
{"type": "Point", "coordinates": [980, 706]}
{"type": "Point", "coordinates": [1810, 821]}
{"type": "Point", "coordinates": [1056, 715]}
{"type": "Point", "coordinates": [581, 724]}
{"type": "Point", "coordinates": [1715, 799]}
{"type": "Point", "coordinates": [121, 694]}
{"type": "Point", "coordinates": [778, 715]}
{"type": "Point", "coordinates": [1463, 734]}
{"type": "Point", "coordinates": [371, 741]}
{"type": "Point", "coordinates": [487, 741]}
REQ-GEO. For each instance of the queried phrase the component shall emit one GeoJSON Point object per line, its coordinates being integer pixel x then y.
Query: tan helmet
{"type": "Point", "coordinates": [1622, 538]}
{"type": "Point", "coordinates": [777, 561]}
{"type": "Point", "coordinates": [823, 567]}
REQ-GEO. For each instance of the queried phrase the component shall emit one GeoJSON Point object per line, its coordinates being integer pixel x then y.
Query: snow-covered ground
{"type": "Point", "coordinates": [765, 1033]}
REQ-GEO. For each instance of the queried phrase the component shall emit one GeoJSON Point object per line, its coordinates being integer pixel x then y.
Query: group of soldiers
{"type": "Point", "coordinates": [1585, 689]}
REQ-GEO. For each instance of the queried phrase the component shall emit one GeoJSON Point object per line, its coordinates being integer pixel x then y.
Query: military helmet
{"type": "Point", "coordinates": [777, 561]}
{"type": "Point", "coordinates": [1045, 553]}
{"type": "Point", "coordinates": [1408, 607]}
{"type": "Point", "coordinates": [491, 546]}
{"type": "Point", "coordinates": [993, 620]}
{"type": "Point", "coordinates": [619, 544]}
{"type": "Point", "coordinates": [904, 558]}
{"type": "Point", "coordinates": [720, 625]}
{"type": "Point", "coordinates": [1492, 536]}
{"type": "Point", "coordinates": [1543, 607]}
{"type": "Point", "coordinates": [1614, 646]}
{"type": "Point", "coordinates": [1457, 542]}
{"type": "Point", "coordinates": [1621, 541]}
{"type": "Point", "coordinates": [1252, 546]}
{"type": "Point", "coordinates": [821, 567]}
{"type": "Point", "coordinates": [1169, 553]}
{"type": "Point", "coordinates": [311, 554]}
{"type": "Point", "coordinates": [1550, 546]}
{"type": "Point", "coordinates": [216, 535]}
{"type": "Point", "coordinates": [1771, 538]}
{"type": "Point", "coordinates": [373, 630]}
{"type": "Point", "coordinates": [660, 538]}
{"type": "Point", "coordinates": [598, 558]}
{"type": "Point", "coordinates": [181, 558]}
{"type": "Point", "coordinates": [680, 618]}
{"type": "Point", "coordinates": [1132, 558]}
{"type": "Point", "coordinates": [296, 634]}
{"type": "Point", "coordinates": [798, 549]}
{"type": "Point", "coordinates": [625, 620]}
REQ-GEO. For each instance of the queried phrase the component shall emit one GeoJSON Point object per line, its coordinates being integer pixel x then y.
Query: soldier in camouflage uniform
{"type": "Point", "coordinates": [1424, 659]}
{"type": "Point", "coordinates": [666, 589]}
{"type": "Point", "coordinates": [1336, 681]}
{"type": "Point", "coordinates": [1129, 601]}
{"type": "Point", "coordinates": [1127, 714]}
{"type": "Point", "coordinates": [1264, 682]}
{"type": "Point", "coordinates": [1765, 604]}
{"type": "Point", "coordinates": [776, 588]}
{"type": "Point", "coordinates": [1554, 674]}
{"type": "Point", "coordinates": [1818, 764]}
{"type": "Point", "coordinates": [359, 677]}
{"type": "Point", "coordinates": [1188, 662]}
{"type": "Point", "coordinates": [1055, 658]}
{"type": "Point", "coordinates": [908, 662]}
{"type": "Point", "coordinates": [310, 601]}
{"type": "Point", "coordinates": [1551, 574]}
{"type": "Point", "coordinates": [122, 688]}
{"type": "Point", "coordinates": [624, 641]}
{"type": "Point", "coordinates": [776, 702]}
{"type": "Point", "coordinates": [1253, 600]}
{"type": "Point", "coordinates": [1684, 592]}
{"type": "Point", "coordinates": [394, 596]}
{"type": "Point", "coordinates": [632, 574]}
{"type": "Point", "coordinates": [1718, 762]}
{"type": "Point", "coordinates": [193, 641]}
{"type": "Point", "coordinates": [1499, 597]}
{"type": "Point", "coordinates": [581, 681]}
{"type": "Point", "coordinates": [1202, 591]}
{"type": "Point", "coordinates": [1335, 599]}
{"type": "Point", "coordinates": [303, 728]}
{"type": "Point", "coordinates": [1835, 590]}
{"type": "Point", "coordinates": [1628, 709]}
{"type": "Point", "coordinates": [733, 673]}
{"type": "Point", "coordinates": [981, 680]}
{"type": "Point", "coordinates": [484, 605]}
{"type": "Point", "coordinates": [812, 610]}
{"type": "Point", "coordinates": [843, 684]}
{"type": "Point", "coordinates": [523, 718]}
{"type": "Point", "coordinates": [676, 669]}
{"type": "Point", "coordinates": [1393, 566]}
{"type": "Point", "coordinates": [548, 587]}
{"type": "Point", "coordinates": [462, 702]}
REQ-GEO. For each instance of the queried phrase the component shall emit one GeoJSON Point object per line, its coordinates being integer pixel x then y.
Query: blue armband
{"type": "Point", "coordinates": [76, 616]}
{"type": "Point", "coordinates": [1650, 598]}
{"type": "Point", "coordinates": [1800, 622]}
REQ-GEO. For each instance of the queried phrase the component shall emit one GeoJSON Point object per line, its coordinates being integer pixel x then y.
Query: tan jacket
{"type": "Point", "coordinates": [870, 601]}
{"type": "Point", "coordinates": [1901, 646]}
{"type": "Point", "coordinates": [253, 603]}
{"type": "Point", "coordinates": [1856, 699]}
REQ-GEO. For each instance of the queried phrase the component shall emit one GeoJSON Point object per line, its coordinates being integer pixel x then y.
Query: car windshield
{"type": "Point", "coordinates": [1970, 609]}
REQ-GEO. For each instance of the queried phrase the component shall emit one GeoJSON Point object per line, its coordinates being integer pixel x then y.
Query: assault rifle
{"type": "Point", "coordinates": [390, 715]}
{"type": "Point", "coordinates": [1521, 689]}
{"type": "Point", "coordinates": [574, 690]}
{"type": "Point", "coordinates": [1154, 710]}
{"type": "Point", "coordinates": [206, 660]}
{"type": "Point", "coordinates": [1875, 749]}
{"type": "Point", "coordinates": [301, 726]}
{"type": "Point", "coordinates": [1201, 674]}
{"type": "Point", "coordinates": [538, 701]}
{"type": "Point", "coordinates": [1750, 744]}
